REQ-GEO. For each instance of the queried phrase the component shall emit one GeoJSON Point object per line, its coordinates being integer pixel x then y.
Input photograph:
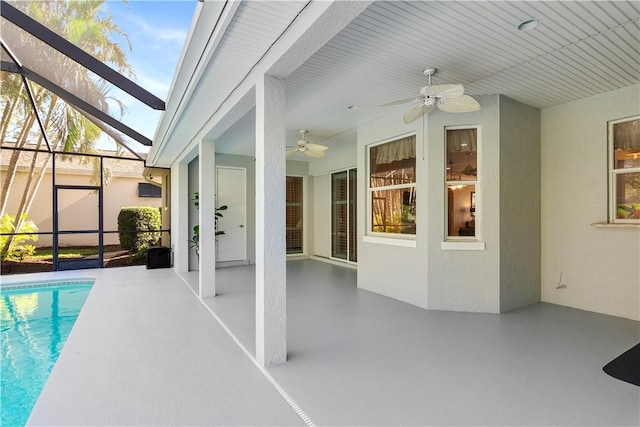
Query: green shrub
{"type": "Point", "coordinates": [18, 247]}
{"type": "Point", "coordinates": [139, 218]}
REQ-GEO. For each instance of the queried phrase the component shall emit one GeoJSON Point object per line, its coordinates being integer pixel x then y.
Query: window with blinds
{"type": "Point", "coordinates": [294, 208]}
{"type": "Point", "coordinates": [343, 215]}
{"type": "Point", "coordinates": [149, 190]}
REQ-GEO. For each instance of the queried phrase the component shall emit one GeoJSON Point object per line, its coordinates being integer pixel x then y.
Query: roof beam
{"type": "Point", "coordinates": [67, 48]}
{"type": "Point", "coordinates": [75, 101]}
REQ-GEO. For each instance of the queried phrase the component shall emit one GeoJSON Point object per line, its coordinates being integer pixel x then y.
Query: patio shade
{"type": "Point", "coordinates": [626, 135]}
{"type": "Point", "coordinates": [404, 148]}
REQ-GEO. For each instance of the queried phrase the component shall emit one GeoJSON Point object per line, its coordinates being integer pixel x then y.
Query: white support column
{"type": "Point", "coordinates": [271, 280]}
{"type": "Point", "coordinates": [180, 216]}
{"type": "Point", "coordinates": [206, 219]}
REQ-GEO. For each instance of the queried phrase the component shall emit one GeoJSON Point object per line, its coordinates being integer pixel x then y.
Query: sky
{"type": "Point", "coordinates": [156, 31]}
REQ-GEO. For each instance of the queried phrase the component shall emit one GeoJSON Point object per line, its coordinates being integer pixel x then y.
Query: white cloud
{"type": "Point", "coordinates": [158, 36]}
{"type": "Point", "coordinates": [158, 87]}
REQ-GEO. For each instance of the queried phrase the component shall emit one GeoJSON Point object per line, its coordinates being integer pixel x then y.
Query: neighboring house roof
{"type": "Point", "coordinates": [125, 167]}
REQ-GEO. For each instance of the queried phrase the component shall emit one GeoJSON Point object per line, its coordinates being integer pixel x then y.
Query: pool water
{"type": "Point", "coordinates": [34, 325]}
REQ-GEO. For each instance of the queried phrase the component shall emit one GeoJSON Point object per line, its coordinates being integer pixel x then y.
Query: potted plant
{"type": "Point", "coordinates": [195, 239]}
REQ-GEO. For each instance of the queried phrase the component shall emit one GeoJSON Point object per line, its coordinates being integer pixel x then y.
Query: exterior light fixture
{"type": "Point", "coordinates": [528, 24]}
{"type": "Point", "coordinates": [353, 107]}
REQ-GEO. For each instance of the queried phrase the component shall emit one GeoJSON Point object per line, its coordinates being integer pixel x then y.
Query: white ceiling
{"type": "Point", "coordinates": [579, 50]}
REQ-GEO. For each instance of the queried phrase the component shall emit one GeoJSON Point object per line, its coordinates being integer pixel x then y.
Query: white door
{"type": "Point", "coordinates": [231, 191]}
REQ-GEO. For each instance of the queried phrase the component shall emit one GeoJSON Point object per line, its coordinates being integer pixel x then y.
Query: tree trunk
{"type": "Point", "coordinates": [13, 164]}
{"type": "Point", "coordinates": [8, 113]}
{"type": "Point", "coordinates": [15, 155]}
{"type": "Point", "coordinates": [29, 192]}
{"type": "Point", "coordinates": [6, 118]}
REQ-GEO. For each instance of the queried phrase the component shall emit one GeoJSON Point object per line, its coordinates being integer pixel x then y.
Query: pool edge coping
{"type": "Point", "coordinates": [42, 283]}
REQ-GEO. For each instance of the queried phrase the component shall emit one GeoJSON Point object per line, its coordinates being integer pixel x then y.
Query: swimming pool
{"type": "Point", "coordinates": [36, 320]}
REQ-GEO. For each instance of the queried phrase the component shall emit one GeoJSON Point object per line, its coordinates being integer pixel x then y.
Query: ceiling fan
{"type": "Point", "coordinates": [306, 147]}
{"type": "Point", "coordinates": [448, 97]}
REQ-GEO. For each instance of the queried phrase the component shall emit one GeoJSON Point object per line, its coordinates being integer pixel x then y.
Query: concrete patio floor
{"type": "Point", "coordinates": [146, 351]}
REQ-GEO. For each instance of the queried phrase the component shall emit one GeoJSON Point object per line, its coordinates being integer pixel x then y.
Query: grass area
{"type": "Point", "coordinates": [47, 253]}
{"type": "Point", "coordinates": [42, 260]}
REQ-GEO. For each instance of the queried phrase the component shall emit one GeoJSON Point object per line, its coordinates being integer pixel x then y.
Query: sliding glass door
{"type": "Point", "coordinates": [343, 215]}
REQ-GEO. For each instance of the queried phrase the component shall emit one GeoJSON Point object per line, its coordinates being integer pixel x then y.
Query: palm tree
{"type": "Point", "coordinates": [81, 23]}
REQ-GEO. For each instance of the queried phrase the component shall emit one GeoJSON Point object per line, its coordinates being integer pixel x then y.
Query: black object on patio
{"type": "Point", "coordinates": [626, 367]}
{"type": "Point", "coordinates": [158, 257]}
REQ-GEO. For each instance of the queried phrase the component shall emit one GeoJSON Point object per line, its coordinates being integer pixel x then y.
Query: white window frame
{"type": "Point", "coordinates": [397, 239]}
{"type": "Point", "coordinates": [464, 242]}
{"type": "Point", "coordinates": [613, 174]}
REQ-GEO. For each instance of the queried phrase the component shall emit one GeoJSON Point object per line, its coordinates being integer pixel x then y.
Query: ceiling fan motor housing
{"type": "Point", "coordinates": [430, 71]}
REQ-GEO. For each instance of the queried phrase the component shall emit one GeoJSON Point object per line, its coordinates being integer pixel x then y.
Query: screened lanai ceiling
{"type": "Point", "coordinates": [50, 66]}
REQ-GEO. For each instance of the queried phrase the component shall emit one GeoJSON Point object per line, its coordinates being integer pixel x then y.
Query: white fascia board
{"type": "Point", "coordinates": [190, 44]}
{"type": "Point", "coordinates": [210, 22]}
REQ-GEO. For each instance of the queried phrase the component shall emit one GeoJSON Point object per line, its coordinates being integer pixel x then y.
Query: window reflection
{"type": "Point", "coordinates": [462, 181]}
{"type": "Point", "coordinates": [392, 171]}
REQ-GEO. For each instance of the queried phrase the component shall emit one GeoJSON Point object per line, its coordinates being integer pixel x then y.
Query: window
{"type": "Point", "coordinates": [624, 170]}
{"type": "Point", "coordinates": [343, 215]}
{"type": "Point", "coordinates": [149, 190]}
{"type": "Point", "coordinates": [461, 182]}
{"type": "Point", "coordinates": [392, 187]}
{"type": "Point", "coordinates": [294, 215]}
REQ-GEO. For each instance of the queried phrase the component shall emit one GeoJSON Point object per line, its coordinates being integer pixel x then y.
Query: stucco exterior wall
{"type": "Point", "coordinates": [395, 271]}
{"type": "Point", "coordinates": [519, 204]}
{"type": "Point", "coordinates": [465, 280]}
{"type": "Point", "coordinates": [600, 266]}
{"type": "Point", "coordinates": [501, 269]}
{"type": "Point", "coordinates": [333, 163]}
{"type": "Point", "coordinates": [543, 181]}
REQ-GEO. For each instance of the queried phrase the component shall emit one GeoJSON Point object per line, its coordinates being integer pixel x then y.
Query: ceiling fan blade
{"type": "Point", "coordinates": [416, 112]}
{"type": "Point", "coordinates": [399, 101]}
{"type": "Point", "coordinates": [292, 150]}
{"type": "Point", "coordinates": [461, 104]}
{"type": "Point", "coordinates": [316, 147]}
{"type": "Point", "coordinates": [443, 91]}
{"type": "Point", "coordinates": [315, 153]}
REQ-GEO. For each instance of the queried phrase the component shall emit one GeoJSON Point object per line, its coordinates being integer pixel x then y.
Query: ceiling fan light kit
{"type": "Point", "coordinates": [449, 98]}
